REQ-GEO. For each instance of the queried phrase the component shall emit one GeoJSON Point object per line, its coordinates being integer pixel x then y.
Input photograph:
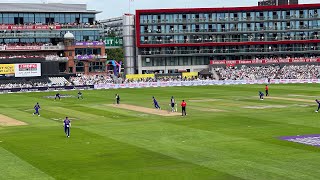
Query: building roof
{"type": "Point", "coordinates": [45, 7]}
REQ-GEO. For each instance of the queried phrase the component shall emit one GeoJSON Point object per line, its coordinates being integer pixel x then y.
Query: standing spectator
{"type": "Point", "coordinates": [183, 106]}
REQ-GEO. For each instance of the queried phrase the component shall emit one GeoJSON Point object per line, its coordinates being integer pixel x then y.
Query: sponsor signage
{"type": "Point", "coordinates": [28, 27]}
{"type": "Point", "coordinates": [6, 68]}
{"type": "Point", "coordinates": [263, 61]}
{"type": "Point", "coordinates": [161, 84]}
{"type": "Point", "coordinates": [21, 70]}
{"type": "Point", "coordinates": [95, 43]}
{"type": "Point", "coordinates": [22, 47]}
{"type": "Point", "coordinates": [114, 41]}
{"type": "Point", "coordinates": [27, 70]}
{"type": "Point", "coordinates": [203, 83]}
{"type": "Point", "coordinates": [38, 89]}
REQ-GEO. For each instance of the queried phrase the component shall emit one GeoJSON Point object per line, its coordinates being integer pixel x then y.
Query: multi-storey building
{"type": "Point", "coordinates": [123, 28]}
{"type": "Point", "coordinates": [171, 40]}
{"type": "Point", "coordinates": [36, 32]}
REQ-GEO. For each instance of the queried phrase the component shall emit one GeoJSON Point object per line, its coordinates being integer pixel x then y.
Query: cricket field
{"type": "Point", "coordinates": [228, 133]}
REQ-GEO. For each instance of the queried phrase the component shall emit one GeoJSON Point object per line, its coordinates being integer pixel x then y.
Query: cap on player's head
{"type": "Point", "coordinates": [66, 117]}
{"type": "Point", "coordinates": [153, 97]}
{"type": "Point", "coordinates": [172, 97]}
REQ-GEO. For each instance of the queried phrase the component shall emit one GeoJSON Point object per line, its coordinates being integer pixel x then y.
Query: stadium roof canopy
{"type": "Point", "coordinates": [45, 8]}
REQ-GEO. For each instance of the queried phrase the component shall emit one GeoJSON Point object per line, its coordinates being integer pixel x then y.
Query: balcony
{"type": "Point", "coordinates": [230, 19]}
{"type": "Point", "coordinates": [81, 26]}
{"type": "Point", "coordinates": [30, 35]}
{"type": "Point", "coordinates": [56, 58]}
{"type": "Point", "coordinates": [32, 48]}
{"type": "Point", "coordinates": [90, 57]}
{"type": "Point", "coordinates": [230, 30]}
{"type": "Point", "coordinates": [215, 39]}
{"type": "Point", "coordinates": [270, 50]}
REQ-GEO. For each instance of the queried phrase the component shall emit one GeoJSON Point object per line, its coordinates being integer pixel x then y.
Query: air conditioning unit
{"type": "Point", "coordinates": [147, 60]}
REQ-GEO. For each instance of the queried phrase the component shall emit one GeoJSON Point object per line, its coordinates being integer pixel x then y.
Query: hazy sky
{"type": "Point", "coordinates": [114, 8]}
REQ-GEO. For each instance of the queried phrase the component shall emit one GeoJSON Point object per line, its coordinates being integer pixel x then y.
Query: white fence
{"type": "Point", "coordinates": [202, 83]}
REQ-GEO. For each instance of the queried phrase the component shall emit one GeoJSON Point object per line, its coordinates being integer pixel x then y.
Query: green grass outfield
{"type": "Point", "coordinates": [238, 142]}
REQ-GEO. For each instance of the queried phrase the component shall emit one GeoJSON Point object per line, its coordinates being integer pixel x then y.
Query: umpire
{"type": "Point", "coordinates": [183, 106]}
{"type": "Point", "coordinates": [117, 99]}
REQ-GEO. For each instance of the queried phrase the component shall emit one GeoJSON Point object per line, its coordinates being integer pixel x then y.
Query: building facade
{"type": "Point", "coordinates": [34, 30]}
{"type": "Point", "coordinates": [172, 40]}
{"type": "Point", "coordinates": [123, 28]}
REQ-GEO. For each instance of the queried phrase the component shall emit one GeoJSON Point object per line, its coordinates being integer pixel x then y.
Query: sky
{"type": "Point", "coordinates": [115, 8]}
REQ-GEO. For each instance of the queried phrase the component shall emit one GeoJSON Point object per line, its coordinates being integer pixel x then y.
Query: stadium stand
{"type": "Point", "coordinates": [59, 81]}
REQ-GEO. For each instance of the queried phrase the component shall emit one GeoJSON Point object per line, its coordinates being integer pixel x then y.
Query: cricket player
{"type": "Point", "coordinates": [261, 95]}
{"type": "Point", "coordinates": [173, 103]}
{"type": "Point", "coordinates": [267, 90]}
{"type": "Point", "coordinates": [155, 103]}
{"type": "Point", "coordinates": [37, 108]}
{"type": "Point", "coordinates": [183, 107]}
{"type": "Point", "coordinates": [318, 102]}
{"type": "Point", "coordinates": [67, 125]}
{"type": "Point", "coordinates": [80, 95]}
{"type": "Point", "coordinates": [117, 99]}
{"type": "Point", "coordinates": [57, 96]}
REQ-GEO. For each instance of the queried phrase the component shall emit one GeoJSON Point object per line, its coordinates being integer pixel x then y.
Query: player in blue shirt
{"type": "Point", "coordinates": [57, 96]}
{"type": "Point", "coordinates": [155, 103]}
{"type": "Point", "coordinates": [37, 108]}
{"type": "Point", "coordinates": [318, 102]}
{"type": "Point", "coordinates": [80, 95]}
{"type": "Point", "coordinates": [261, 95]}
{"type": "Point", "coordinates": [67, 125]}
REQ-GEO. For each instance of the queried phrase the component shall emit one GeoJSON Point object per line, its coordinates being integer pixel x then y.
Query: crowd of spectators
{"type": "Point", "coordinates": [299, 72]}
{"type": "Point", "coordinates": [90, 79]}
{"type": "Point", "coordinates": [269, 72]}
{"type": "Point", "coordinates": [248, 72]}
{"type": "Point", "coordinates": [308, 71]}
{"type": "Point", "coordinates": [167, 79]}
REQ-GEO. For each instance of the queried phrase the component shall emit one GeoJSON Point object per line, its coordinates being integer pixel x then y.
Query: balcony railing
{"type": "Point", "coordinates": [214, 30]}
{"type": "Point", "coordinates": [231, 50]}
{"type": "Point", "coordinates": [90, 57]}
{"type": "Point", "coordinates": [30, 35]}
{"type": "Point", "coordinates": [32, 48]}
{"type": "Point", "coordinates": [228, 19]}
{"type": "Point", "coordinates": [56, 58]}
{"type": "Point", "coordinates": [245, 39]}
{"type": "Point", "coordinates": [82, 26]}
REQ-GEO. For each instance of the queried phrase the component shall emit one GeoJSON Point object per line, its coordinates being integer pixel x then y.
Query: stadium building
{"type": "Point", "coordinates": [173, 40]}
{"type": "Point", "coordinates": [57, 38]}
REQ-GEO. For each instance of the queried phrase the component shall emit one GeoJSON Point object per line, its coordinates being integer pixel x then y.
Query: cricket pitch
{"type": "Point", "coordinates": [145, 110]}
{"type": "Point", "coordinates": [7, 121]}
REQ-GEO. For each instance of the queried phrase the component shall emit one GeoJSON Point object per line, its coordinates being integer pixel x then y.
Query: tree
{"type": "Point", "coordinates": [115, 54]}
